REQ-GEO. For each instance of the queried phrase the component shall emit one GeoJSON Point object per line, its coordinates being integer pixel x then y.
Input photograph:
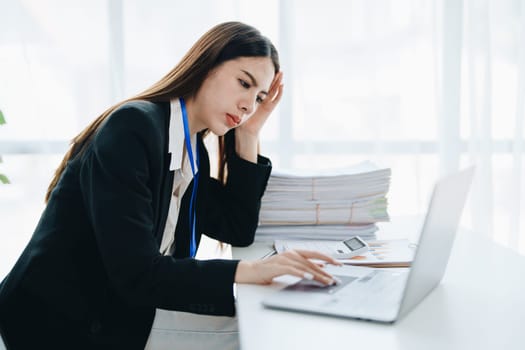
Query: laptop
{"type": "Point", "coordinates": [386, 295]}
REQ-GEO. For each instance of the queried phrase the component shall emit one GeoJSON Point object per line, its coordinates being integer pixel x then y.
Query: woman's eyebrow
{"type": "Point", "coordinates": [254, 82]}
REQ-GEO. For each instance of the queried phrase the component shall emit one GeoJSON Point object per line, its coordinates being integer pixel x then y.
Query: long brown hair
{"type": "Point", "coordinates": [225, 41]}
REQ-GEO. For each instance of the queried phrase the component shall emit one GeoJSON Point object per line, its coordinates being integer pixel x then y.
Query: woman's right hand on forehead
{"type": "Point", "coordinates": [294, 262]}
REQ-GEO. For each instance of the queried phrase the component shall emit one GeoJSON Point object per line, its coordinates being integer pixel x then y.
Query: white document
{"type": "Point", "coordinates": [337, 249]}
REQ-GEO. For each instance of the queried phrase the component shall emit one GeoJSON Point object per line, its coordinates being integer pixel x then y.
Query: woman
{"type": "Point", "coordinates": [132, 196]}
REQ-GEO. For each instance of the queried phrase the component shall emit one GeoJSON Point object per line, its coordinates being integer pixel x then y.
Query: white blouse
{"type": "Point", "coordinates": [180, 164]}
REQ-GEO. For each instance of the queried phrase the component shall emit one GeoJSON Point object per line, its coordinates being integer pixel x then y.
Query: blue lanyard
{"type": "Point", "coordinates": [187, 139]}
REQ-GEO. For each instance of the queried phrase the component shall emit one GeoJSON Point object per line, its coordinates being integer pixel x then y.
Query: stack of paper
{"type": "Point", "coordinates": [331, 232]}
{"type": "Point", "coordinates": [314, 212]}
{"type": "Point", "coordinates": [324, 204]}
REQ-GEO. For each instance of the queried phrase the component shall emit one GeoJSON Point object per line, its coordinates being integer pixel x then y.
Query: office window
{"type": "Point", "coordinates": [363, 80]}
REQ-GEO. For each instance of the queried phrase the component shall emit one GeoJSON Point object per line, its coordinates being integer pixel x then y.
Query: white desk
{"type": "Point", "coordinates": [480, 304]}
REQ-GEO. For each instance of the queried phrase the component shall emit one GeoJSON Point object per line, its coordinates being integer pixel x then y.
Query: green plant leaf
{"type": "Point", "coordinates": [4, 179]}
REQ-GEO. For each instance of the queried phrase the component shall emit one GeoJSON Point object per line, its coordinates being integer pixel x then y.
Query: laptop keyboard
{"type": "Point", "coordinates": [377, 288]}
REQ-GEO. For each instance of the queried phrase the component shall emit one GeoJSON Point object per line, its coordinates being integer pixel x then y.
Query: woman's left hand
{"type": "Point", "coordinates": [255, 123]}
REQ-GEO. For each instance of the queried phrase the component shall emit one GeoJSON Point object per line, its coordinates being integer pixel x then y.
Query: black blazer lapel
{"type": "Point", "coordinates": [166, 182]}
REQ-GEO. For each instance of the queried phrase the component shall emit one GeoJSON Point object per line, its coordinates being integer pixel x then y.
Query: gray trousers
{"type": "Point", "coordinates": [181, 330]}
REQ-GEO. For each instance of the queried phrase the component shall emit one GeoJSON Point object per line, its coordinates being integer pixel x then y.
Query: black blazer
{"type": "Point", "coordinates": [92, 275]}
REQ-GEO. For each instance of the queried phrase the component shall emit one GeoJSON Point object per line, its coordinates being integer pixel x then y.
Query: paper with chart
{"type": "Point", "coordinates": [381, 253]}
